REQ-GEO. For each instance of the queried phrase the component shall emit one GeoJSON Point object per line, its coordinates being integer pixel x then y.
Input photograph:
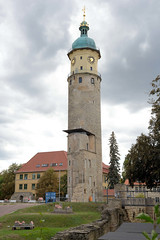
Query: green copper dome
{"type": "Point", "coordinates": [84, 41]}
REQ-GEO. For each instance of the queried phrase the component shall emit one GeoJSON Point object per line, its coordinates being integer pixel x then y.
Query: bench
{"type": "Point", "coordinates": [22, 226]}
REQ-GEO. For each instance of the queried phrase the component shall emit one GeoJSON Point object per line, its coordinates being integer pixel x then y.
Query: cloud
{"type": "Point", "coordinates": [35, 37]}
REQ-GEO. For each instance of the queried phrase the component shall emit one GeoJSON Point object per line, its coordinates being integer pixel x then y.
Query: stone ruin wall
{"type": "Point", "coordinates": [112, 217]}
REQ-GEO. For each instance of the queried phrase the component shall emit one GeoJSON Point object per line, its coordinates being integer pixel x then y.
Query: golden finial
{"type": "Point", "coordinates": [84, 13]}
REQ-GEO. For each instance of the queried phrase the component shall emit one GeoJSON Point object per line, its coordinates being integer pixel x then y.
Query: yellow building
{"type": "Point", "coordinates": [27, 176]}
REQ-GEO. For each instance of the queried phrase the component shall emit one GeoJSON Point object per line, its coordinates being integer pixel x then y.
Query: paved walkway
{"type": "Point", "coordinates": [130, 231]}
{"type": "Point", "coordinates": [9, 208]}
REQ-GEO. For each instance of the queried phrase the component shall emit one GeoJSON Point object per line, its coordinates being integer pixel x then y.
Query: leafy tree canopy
{"type": "Point", "coordinates": [7, 181]}
{"type": "Point", "coordinates": [63, 186]}
{"type": "Point", "coordinates": [47, 183]}
{"type": "Point", "coordinates": [142, 162]}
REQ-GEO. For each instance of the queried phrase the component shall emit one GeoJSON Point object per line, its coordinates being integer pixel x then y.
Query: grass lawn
{"type": "Point", "coordinates": [46, 223]}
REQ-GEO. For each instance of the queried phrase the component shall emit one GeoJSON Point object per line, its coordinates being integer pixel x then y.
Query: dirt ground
{"type": "Point", "coordinates": [6, 208]}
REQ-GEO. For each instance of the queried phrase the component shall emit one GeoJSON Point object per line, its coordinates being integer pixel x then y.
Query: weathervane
{"type": "Point", "coordinates": [84, 13]}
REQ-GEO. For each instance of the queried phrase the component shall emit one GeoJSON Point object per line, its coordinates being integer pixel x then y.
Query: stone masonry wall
{"type": "Point", "coordinates": [110, 220]}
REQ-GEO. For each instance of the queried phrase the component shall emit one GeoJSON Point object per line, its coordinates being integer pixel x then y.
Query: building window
{"type": "Point", "coordinates": [89, 163]}
{"type": "Point", "coordinates": [69, 180]}
{"type": "Point", "coordinates": [25, 176]}
{"type": "Point", "coordinates": [87, 146]}
{"type": "Point", "coordinates": [45, 165]}
{"type": "Point", "coordinates": [92, 80]}
{"type": "Point", "coordinates": [157, 199]}
{"type": "Point", "coordinates": [25, 186]}
{"type": "Point", "coordinates": [20, 186]}
{"type": "Point", "coordinates": [81, 67]}
{"type": "Point", "coordinates": [33, 176]}
{"type": "Point", "coordinates": [80, 79]}
{"type": "Point", "coordinates": [21, 176]}
{"type": "Point", "coordinates": [91, 68]}
{"type": "Point", "coordinates": [33, 186]}
{"type": "Point", "coordinates": [69, 163]}
{"type": "Point", "coordinates": [53, 164]}
{"type": "Point", "coordinates": [84, 191]}
{"type": "Point", "coordinates": [136, 189]}
{"type": "Point", "coordinates": [70, 82]}
{"type": "Point", "coordinates": [38, 165]}
{"type": "Point", "coordinates": [61, 164]}
{"type": "Point", "coordinates": [80, 57]}
{"type": "Point", "coordinates": [38, 175]}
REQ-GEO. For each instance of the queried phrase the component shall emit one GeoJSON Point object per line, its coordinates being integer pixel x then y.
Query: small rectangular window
{"type": "Point", "coordinates": [61, 164]}
{"type": "Point", "coordinates": [21, 176]}
{"type": "Point", "coordinates": [45, 165]}
{"type": "Point", "coordinates": [53, 164]}
{"type": "Point", "coordinates": [80, 57]}
{"type": "Point", "coordinates": [25, 186]}
{"type": "Point", "coordinates": [81, 67]}
{"type": "Point", "coordinates": [38, 175]}
{"type": "Point", "coordinates": [33, 176]}
{"type": "Point", "coordinates": [80, 79]}
{"type": "Point", "coordinates": [20, 186]}
{"type": "Point", "coordinates": [70, 82]}
{"type": "Point", "coordinates": [38, 165]}
{"type": "Point", "coordinates": [87, 146]}
{"type": "Point", "coordinates": [92, 80]}
{"type": "Point", "coordinates": [33, 186]}
{"type": "Point", "coordinates": [69, 163]}
{"type": "Point", "coordinates": [25, 176]}
{"type": "Point", "coordinates": [91, 68]}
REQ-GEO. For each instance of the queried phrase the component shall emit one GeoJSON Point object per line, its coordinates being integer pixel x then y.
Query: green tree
{"type": "Point", "coordinates": [155, 221]}
{"type": "Point", "coordinates": [113, 176]}
{"type": "Point", "coordinates": [135, 166]}
{"type": "Point", "coordinates": [64, 185]}
{"type": "Point", "coordinates": [1, 181]}
{"type": "Point", "coordinates": [154, 129]}
{"type": "Point", "coordinates": [142, 162]}
{"type": "Point", "coordinates": [7, 185]}
{"type": "Point", "coordinates": [47, 183]}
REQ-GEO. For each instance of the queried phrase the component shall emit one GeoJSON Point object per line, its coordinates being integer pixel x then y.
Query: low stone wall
{"type": "Point", "coordinates": [110, 220]}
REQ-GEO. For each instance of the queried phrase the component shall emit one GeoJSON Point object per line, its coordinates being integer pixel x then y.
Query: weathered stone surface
{"type": "Point", "coordinates": [111, 219]}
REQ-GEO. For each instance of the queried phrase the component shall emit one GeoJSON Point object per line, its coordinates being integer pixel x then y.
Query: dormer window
{"type": "Point", "coordinates": [45, 165]}
{"type": "Point", "coordinates": [53, 164]}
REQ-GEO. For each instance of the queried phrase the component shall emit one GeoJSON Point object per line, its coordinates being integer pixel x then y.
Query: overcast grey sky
{"type": "Point", "coordinates": [35, 36]}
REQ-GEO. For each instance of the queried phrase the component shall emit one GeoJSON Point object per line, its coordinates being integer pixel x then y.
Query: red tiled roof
{"type": "Point", "coordinates": [105, 168]}
{"type": "Point", "coordinates": [43, 160]}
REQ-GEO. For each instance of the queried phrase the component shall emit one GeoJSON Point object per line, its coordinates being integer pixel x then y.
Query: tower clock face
{"type": "Point", "coordinates": [73, 61]}
{"type": "Point", "coordinates": [91, 59]}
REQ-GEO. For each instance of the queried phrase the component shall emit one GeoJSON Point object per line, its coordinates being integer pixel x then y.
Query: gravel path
{"type": "Point", "coordinates": [9, 208]}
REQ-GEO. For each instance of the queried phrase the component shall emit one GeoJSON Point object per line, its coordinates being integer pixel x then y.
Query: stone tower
{"type": "Point", "coordinates": [84, 120]}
